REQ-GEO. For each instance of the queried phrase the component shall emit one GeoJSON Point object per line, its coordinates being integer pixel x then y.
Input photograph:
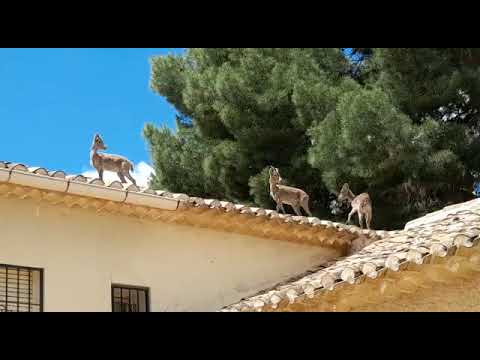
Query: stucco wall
{"type": "Point", "coordinates": [186, 269]}
{"type": "Point", "coordinates": [459, 296]}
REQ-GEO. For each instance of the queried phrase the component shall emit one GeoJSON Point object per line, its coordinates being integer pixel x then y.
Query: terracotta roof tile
{"type": "Point", "coordinates": [77, 178]}
{"type": "Point", "coordinates": [57, 174]}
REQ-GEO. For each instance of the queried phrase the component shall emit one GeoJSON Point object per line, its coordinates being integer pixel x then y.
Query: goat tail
{"type": "Point", "coordinates": [131, 165]}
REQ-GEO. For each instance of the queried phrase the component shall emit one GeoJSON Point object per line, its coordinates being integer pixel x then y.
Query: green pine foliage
{"type": "Point", "coordinates": [401, 124]}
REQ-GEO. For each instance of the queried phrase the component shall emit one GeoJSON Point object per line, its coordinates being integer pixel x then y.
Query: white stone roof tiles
{"type": "Point", "coordinates": [437, 234]}
{"type": "Point", "coordinates": [116, 191]}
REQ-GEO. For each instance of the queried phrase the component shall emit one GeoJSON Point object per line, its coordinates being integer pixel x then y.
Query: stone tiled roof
{"type": "Point", "coordinates": [117, 192]}
{"type": "Point", "coordinates": [439, 234]}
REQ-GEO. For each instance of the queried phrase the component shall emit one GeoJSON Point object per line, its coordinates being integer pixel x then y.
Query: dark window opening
{"type": "Point", "coordinates": [130, 299]}
{"type": "Point", "coordinates": [21, 289]}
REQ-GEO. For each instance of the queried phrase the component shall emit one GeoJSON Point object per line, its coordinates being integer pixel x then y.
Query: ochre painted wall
{"type": "Point", "coordinates": [186, 268]}
{"type": "Point", "coordinates": [461, 295]}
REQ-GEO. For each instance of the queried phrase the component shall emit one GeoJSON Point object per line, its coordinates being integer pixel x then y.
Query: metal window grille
{"type": "Point", "coordinates": [21, 289]}
{"type": "Point", "coordinates": [130, 299]}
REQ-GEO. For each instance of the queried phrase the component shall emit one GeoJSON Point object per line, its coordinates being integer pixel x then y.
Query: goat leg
{"type": "Point", "coordinates": [297, 210]}
{"type": "Point", "coordinates": [360, 219]}
{"type": "Point", "coordinates": [350, 215]}
{"type": "Point", "coordinates": [121, 177]}
{"type": "Point", "coordinates": [100, 174]}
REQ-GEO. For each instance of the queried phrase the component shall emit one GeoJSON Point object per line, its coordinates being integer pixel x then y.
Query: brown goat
{"type": "Point", "coordinates": [109, 162]}
{"type": "Point", "coordinates": [361, 204]}
{"type": "Point", "coordinates": [282, 194]}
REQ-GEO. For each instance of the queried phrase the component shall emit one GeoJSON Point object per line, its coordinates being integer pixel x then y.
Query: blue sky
{"type": "Point", "coordinates": [52, 101]}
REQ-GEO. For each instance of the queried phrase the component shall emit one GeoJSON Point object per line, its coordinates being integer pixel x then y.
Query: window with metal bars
{"type": "Point", "coordinates": [21, 289]}
{"type": "Point", "coordinates": [130, 299]}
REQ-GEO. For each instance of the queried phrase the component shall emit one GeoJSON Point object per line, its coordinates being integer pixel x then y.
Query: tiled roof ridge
{"type": "Point", "coordinates": [8, 169]}
{"type": "Point", "coordinates": [436, 234]}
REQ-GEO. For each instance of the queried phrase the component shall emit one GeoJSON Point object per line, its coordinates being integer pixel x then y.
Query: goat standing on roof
{"type": "Point", "coordinates": [101, 161]}
{"type": "Point", "coordinates": [361, 204]}
{"type": "Point", "coordinates": [282, 194]}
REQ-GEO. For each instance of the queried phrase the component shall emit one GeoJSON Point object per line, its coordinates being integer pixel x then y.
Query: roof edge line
{"type": "Point", "coordinates": [38, 181]}
{"type": "Point", "coordinates": [8, 173]}
{"type": "Point", "coordinates": [155, 201]}
{"type": "Point", "coordinates": [63, 185]}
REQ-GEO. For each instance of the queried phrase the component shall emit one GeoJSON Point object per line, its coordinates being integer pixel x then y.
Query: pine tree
{"type": "Point", "coordinates": [401, 124]}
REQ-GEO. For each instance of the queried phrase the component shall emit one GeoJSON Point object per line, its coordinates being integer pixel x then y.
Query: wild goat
{"type": "Point", "coordinates": [109, 162]}
{"type": "Point", "coordinates": [282, 194]}
{"type": "Point", "coordinates": [361, 204]}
